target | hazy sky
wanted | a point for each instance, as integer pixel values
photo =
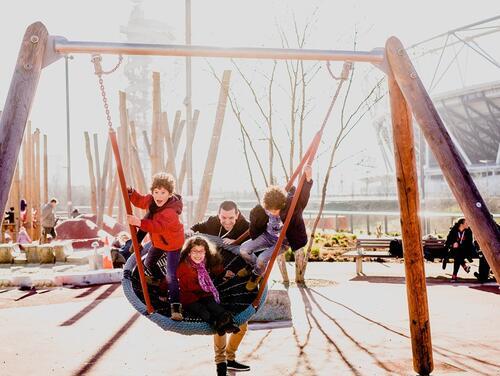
(232, 23)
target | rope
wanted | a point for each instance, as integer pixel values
(185, 327)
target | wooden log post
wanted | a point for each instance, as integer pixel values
(177, 131)
(182, 172)
(93, 198)
(36, 184)
(170, 165)
(18, 103)
(102, 192)
(97, 161)
(112, 194)
(407, 184)
(213, 149)
(29, 182)
(446, 154)
(45, 170)
(156, 140)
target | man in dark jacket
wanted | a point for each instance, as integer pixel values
(229, 224)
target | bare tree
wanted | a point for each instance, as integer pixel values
(346, 126)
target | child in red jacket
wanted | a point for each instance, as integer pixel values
(163, 224)
(198, 293)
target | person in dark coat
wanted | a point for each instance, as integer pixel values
(460, 243)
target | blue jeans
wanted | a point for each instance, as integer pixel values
(218, 242)
(150, 262)
(265, 242)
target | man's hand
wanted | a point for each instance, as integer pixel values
(227, 241)
(129, 190)
(133, 220)
(188, 233)
(308, 172)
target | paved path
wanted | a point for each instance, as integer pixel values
(342, 325)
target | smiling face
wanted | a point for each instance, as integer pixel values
(161, 195)
(228, 218)
(197, 254)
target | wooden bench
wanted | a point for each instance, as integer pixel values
(367, 247)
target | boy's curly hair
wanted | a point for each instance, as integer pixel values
(163, 180)
(212, 258)
(274, 198)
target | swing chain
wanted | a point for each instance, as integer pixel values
(96, 59)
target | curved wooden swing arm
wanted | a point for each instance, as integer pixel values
(128, 208)
(311, 153)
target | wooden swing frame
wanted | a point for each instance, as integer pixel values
(39, 49)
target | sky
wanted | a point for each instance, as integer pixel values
(333, 25)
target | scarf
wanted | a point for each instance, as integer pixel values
(204, 279)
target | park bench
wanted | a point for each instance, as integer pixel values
(379, 248)
(370, 247)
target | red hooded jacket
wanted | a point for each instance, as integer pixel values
(165, 228)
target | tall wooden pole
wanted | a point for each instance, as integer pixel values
(88, 150)
(182, 172)
(38, 230)
(29, 177)
(189, 123)
(18, 103)
(45, 171)
(407, 183)
(213, 148)
(97, 162)
(102, 192)
(156, 131)
(170, 165)
(446, 154)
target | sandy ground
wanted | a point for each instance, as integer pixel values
(342, 325)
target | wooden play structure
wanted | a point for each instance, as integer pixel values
(30, 183)
(407, 96)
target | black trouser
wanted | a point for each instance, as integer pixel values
(459, 259)
(207, 309)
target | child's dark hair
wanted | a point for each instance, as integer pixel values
(274, 198)
(212, 257)
(163, 180)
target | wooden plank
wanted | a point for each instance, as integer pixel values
(93, 197)
(454, 170)
(18, 103)
(29, 176)
(206, 182)
(407, 185)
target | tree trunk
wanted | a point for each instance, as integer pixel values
(88, 150)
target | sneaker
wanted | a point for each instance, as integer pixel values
(454, 278)
(176, 311)
(466, 268)
(253, 282)
(221, 369)
(244, 272)
(233, 365)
